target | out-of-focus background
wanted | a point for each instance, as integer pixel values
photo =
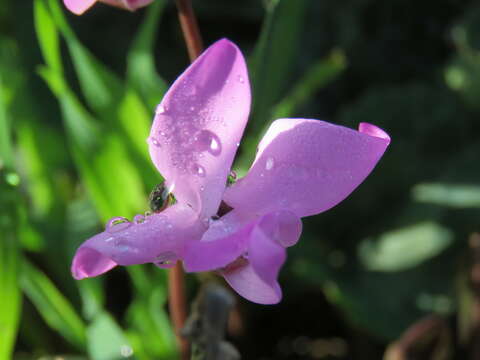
(388, 272)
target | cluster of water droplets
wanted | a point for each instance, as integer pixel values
(188, 136)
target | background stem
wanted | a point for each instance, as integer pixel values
(190, 29)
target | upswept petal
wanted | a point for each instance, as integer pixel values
(157, 238)
(307, 166)
(198, 125)
(256, 280)
(78, 7)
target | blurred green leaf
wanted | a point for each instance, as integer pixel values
(147, 313)
(6, 149)
(450, 195)
(100, 86)
(55, 309)
(80, 125)
(404, 248)
(274, 56)
(318, 76)
(47, 35)
(40, 180)
(106, 340)
(141, 72)
(10, 300)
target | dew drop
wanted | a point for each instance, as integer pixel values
(122, 246)
(160, 109)
(240, 79)
(116, 224)
(166, 259)
(214, 148)
(154, 141)
(202, 188)
(232, 177)
(269, 164)
(198, 170)
(139, 219)
(205, 140)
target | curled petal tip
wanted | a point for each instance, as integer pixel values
(373, 130)
(89, 263)
(246, 282)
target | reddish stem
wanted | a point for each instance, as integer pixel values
(190, 30)
(177, 301)
(177, 306)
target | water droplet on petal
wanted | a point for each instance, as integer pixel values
(198, 170)
(116, 224)
(166, 259)
(214, 148)
(270, 163)
(240, 79)
(139, 219)
(154, 141)
(123, 246)
(160, 109)
(202, 188)
(232, 177)
(205, 140)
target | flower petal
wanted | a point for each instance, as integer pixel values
(198, 125)
(257, 280)
(159, 238)
(224, 241)
(307, 166)
(246, 282)
(78, 6)
(248, 251)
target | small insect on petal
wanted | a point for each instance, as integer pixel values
(160, 198)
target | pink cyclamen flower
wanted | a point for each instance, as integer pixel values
(80, 6)
(302, 167)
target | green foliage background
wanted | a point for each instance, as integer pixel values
(77, 95)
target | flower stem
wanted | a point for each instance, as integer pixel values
(190, 30)
(177, 306)
(176, 287)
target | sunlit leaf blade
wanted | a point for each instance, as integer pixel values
(55, 309)
(141, 72)
(405, 248)
(35, 156)
(47, 35)
(106, 340)
(318, 76)
(6, 148)
(135, 132)
(274, 54)
(10, 295)
(100, 86)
